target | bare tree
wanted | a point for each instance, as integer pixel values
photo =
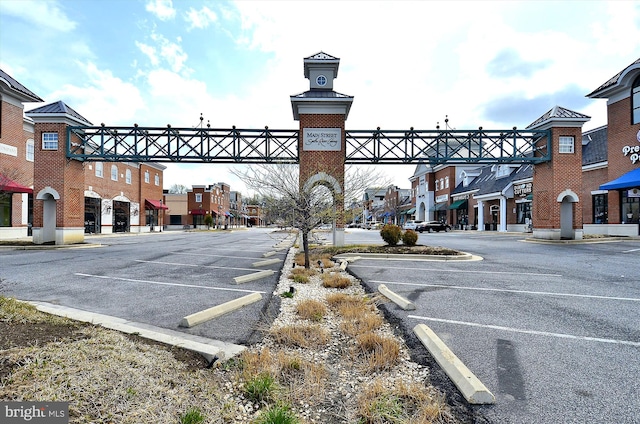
(178, 189)
(307, 207)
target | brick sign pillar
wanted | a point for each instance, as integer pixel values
(58, 185)
(322, 113)
(557, 184)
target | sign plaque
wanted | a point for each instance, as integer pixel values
(322, 139)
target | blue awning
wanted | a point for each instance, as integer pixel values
(628, 180)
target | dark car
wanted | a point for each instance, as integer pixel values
(431, 226)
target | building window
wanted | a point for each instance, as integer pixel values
(446, 182)
(437, 185)
(99, 169)
(157, 180)
(635, 101)
(630, 206)
(600, 208)
(128, 176)
(49, 141)
(146, 177)
(114, 173)
(198, 197)
(566, 145)
(30, 150)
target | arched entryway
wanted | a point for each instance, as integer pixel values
(334, 187)
(566, 199)
(47, 234)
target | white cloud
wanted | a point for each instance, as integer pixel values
(200, 18)
(42, 14)
(150, 52)
(172, 53)
(102, 96)
(163, 9)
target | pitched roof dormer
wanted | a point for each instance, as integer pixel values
(321, 69)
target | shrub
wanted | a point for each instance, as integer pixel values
(310, 309)
(208, 220)
(391, 234)
(410, 238)
(335, 281)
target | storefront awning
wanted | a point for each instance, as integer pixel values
(529, 197)
(10, 186)
(410, 211)
(628, 180)
(227, 213)
(198, 212)
(154, 204)
(439, 207)
(459, 204)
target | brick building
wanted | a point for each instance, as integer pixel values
(16, 159)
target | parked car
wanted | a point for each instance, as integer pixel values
(411, 225)
(430, 226)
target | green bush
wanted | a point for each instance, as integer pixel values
(410, 238)
(391, 234)
(208, 220)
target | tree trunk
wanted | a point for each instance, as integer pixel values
(305, 247)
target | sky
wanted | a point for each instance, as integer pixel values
(407, 63)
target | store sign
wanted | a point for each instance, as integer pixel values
(633, 152)
(634, 192)
(442, 198)
(322, 139)
(463, 197)
(8, 150)
(522, 190)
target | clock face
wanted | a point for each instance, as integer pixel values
(321, 80)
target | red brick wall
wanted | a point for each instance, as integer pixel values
(591, 180)
(330, 162)
(52, 169)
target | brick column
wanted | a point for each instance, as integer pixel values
(60, 181)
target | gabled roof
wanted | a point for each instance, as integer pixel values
(605, 89)
(321, 56)
(322, 59)
(558, 113)
(58, 109)
(594, 146)
(17, 89)
(487, 183)
(321, 94)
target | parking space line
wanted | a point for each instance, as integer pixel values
(458, 270)
(630, 251)
(194, 265)
(215, 256)
(532, 332)
(161, 283)
(588, 296)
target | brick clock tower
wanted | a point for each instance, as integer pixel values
(322, 113)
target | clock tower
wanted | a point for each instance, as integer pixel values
(322, 113)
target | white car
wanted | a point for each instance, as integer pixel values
(411, 225)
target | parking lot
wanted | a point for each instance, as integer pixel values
(154, 279)
(553, 330)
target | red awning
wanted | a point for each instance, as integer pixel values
(10, 186)
(154, 204)
(198, 212)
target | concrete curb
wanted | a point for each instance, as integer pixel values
(409, 257)
(210, 349)
(471, 388)
(216, 311)
(266, 263)
(402, 302)
(52, 247)
(268, 254)
(253, 276)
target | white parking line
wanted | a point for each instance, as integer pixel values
(458, 270)
(589, 296)
(160, 283)
(533, 332)
(214, 256)
(632, 250)
(195, 265)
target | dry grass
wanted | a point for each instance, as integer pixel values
(314, 257)
(302, 275)
(349, 306)
(312, 310)
(334, 280)
(403, 403)
(367, 321)
(379, 352)
(305, 336)
(13, 311)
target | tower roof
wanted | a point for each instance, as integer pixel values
(559, 113)
(16, 89)
(58, 110)
(321, 59)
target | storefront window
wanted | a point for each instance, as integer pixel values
(630, 206)
(600, 208)
(523, 212)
